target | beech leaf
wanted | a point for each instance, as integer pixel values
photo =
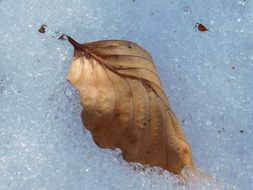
(124, 105)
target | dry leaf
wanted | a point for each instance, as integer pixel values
(124, 105)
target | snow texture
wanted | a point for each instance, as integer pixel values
(207, 76)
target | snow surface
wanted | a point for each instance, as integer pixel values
(207, 76)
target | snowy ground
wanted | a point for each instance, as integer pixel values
(207, 76)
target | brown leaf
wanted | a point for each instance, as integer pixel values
(124, 105)
(201, 27)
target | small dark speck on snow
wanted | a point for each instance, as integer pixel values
(201, 27)
(222, 130)
(42, 29)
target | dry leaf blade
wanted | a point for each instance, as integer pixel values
(124, 105)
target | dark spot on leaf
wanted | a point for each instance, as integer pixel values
(201, 27)
(129, 46)
(185, 150)
(117, 114)
(42, 29)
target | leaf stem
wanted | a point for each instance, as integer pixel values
(74, 43)
(79, 47)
